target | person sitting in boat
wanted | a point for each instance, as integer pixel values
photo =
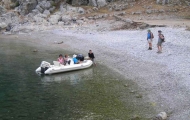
(60, 59)
(75, 60)
(66, 60)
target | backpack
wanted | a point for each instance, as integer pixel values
(163, 40)
(152, 36)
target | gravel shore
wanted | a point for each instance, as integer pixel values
(163, 78)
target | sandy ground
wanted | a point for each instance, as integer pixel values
(164, 78)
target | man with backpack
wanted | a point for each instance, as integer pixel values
(150, 37)
(161, 39)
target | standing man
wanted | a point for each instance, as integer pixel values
(160, 41)
(91, 56)
(150, 36)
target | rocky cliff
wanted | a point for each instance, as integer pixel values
(67, 12)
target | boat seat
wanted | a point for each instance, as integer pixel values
(56, 63)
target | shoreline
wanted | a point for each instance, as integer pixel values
(164, 78)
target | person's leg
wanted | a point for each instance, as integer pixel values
(159, 49)
(69, 62)
(149, 44)
(93, 62)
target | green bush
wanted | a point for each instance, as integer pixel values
(17, 4)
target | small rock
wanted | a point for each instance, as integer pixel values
(139, 96)
(135, 117)
(148, 11)
(35, 50)
(132, 91)
(126, 85)
(60, 42)
(161, 116)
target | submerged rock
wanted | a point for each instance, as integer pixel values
(161, 116)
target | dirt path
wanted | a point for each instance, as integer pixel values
(170, 23)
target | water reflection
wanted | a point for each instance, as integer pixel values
(74, 77)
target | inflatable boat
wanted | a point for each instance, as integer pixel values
(47, 68)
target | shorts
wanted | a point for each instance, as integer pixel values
(159, 44)
(93, 61)
(149, 41)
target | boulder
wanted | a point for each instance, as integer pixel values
(26, 6)
(9, 17)
(93, 3)
(6, 3)
(101, 3)
(95, 9)
(81, 10)
(79, 2)
(117, 7)
(79, 22)
(54, 19)
(39, 9)
(143, 26)
(129, 21)
(2, 10)
(46, 12)
(35, 12)
(9, 27)
(3, 25)
(66, 19)
(56, 1)
(148, 11)
(70, 8)
(60, 23)
(38, 19)
(41, 15)
(63, 8)
(52, 9)
(161, 10)
(45, 4)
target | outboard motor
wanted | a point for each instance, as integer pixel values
(80, 57)
(44, 66)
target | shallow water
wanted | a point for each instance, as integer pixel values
(95, 93)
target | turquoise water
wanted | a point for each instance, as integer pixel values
(95, 93)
